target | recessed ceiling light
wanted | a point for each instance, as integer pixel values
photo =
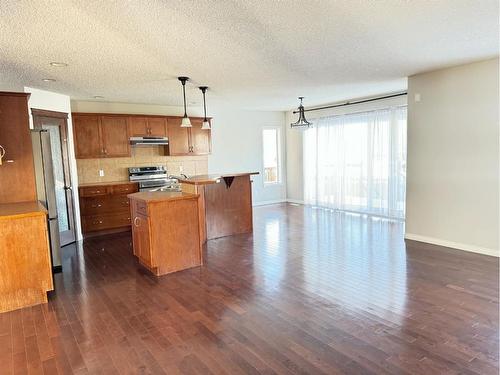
(98, 97)
(58, 64)
(48, 80)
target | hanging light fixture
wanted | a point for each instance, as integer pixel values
(186, 122)
(206, 123)
(301, 122)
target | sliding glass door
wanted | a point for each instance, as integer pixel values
(357, 162)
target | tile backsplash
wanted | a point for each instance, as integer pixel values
(116, 169)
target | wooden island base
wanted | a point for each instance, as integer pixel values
(165, 231)
(225, 203)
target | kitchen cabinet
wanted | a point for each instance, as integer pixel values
(114, 136)
(17, 174)
(142, 126)
(188, 141)
(25, 267)
(141, 240)
(100, 136)
(200, 139)
(178, 138)
(105, 208)
(87, 137)
(165, 231)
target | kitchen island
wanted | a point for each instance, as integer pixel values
(165, 230)
(225, 206)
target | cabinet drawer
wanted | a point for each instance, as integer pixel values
(101, 222)
(125, 189)
(91, 191)
(104, 204)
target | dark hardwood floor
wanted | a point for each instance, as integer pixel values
(311, 291)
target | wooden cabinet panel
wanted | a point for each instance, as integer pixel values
(105, 221)
(25, 268)
(138, 126)
(168, 239)
(200, 139)
(105, 207)
(114, 135)
(17, 175)
(157, 126)
(87, 137)
(178, 138)
(105, 204)
(141, 239)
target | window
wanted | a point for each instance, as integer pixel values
(271, 150)
(357, 162)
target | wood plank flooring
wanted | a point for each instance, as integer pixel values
(310, 292)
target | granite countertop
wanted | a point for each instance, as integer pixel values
(206, 179)
(161, 196)
(22, 209)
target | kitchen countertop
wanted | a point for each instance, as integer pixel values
(21, 209)
(89, 184)
(161, 196)
(206, 179)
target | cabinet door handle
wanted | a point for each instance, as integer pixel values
(97, 222)
(96, 205)
(136, 221)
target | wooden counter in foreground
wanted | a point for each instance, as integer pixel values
(165, 230)
(25, 266)
(225, 203)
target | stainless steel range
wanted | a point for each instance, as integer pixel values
(153, 179)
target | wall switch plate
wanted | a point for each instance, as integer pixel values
(417, 97)
(101, 172)
(181, 168)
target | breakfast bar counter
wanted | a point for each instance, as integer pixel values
(225, 203)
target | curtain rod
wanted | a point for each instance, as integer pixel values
(355, 102)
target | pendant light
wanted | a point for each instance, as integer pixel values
(301, 122)
(186, 122)
(206, 123)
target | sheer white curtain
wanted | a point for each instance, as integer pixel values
(357, 162)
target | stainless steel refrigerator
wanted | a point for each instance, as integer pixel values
(45, 186)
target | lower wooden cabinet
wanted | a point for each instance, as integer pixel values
(25, 267)
(165, 231)
(106, 207)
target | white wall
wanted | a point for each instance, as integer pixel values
(453, 158)
(294, 140)
(236, 139)
(237, 147)
(51, 101)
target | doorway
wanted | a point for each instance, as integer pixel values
(56, 123)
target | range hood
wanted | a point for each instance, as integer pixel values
(149, 141)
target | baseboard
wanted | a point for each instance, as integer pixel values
(296, 201)
(265, 203)
(453, 245)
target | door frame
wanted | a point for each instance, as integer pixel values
(38, 115)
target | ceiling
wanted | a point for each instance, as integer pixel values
(253, 54)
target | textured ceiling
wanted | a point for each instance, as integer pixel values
(254, 54)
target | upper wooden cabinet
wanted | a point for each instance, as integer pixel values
(114, 136)
(200, 139)
(86, 132)
(17, 174)
(100, 136)
(107, 135)
(188, 141)
(140, 126)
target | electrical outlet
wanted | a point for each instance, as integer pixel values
(101, 172)
(181, 169)
(418, 97)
